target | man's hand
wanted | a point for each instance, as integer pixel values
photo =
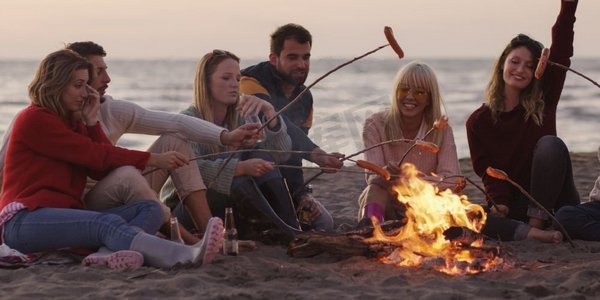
(327, 160)
(245, 135)
(170, 160)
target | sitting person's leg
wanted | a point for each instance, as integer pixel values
(581, 221)
(274, 188)
(372, 202)
(320, 218)
(121, 186)
(244, 189)
(187, 181)
(47, 229)
(147, 215)
(551, 179)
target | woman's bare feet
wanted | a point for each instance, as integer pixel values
(546, 236)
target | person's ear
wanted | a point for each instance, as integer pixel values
(273, 58)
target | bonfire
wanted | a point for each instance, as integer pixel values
(440, 231)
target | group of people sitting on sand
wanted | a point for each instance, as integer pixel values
(66, 185)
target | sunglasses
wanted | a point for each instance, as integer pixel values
(418, 93)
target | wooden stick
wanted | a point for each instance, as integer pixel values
(357, 153)
(487, 196)
(316, 81)
(499, 174)
(298, 98)
(569, 69)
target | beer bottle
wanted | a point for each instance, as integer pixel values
(230, 244)
(175, 233)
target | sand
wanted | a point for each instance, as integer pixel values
(539, 271)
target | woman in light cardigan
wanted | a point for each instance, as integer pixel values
(250, 179)
(416, 103)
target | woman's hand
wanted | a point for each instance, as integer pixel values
(245, 135)
(252, 105)
(91, 107)
(169, 160)
(254, 167)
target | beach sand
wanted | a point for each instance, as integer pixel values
(539, 270)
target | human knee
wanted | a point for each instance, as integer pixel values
(171, 142)
(155, 211)
(570, 216)
(128, 176)
(550, 147)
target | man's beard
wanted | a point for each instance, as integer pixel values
(293, 81)
(290, 79)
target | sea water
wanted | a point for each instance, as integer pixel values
(342, 100)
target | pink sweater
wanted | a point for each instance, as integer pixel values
(443, 163)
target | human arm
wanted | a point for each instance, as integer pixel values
(277, 137)
(561, 52)
(500, 191)
(127, 117)
(45, 133)
(372, 134)
(299, 137)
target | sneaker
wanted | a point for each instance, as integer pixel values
(119, 260)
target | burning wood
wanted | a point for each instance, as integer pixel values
(440, 231)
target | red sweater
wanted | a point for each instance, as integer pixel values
(509, 144)
(48, 160)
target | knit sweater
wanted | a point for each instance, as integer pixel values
(48, 160)
(119, 117)
(276, 140)
(443, 163)
(508, 144)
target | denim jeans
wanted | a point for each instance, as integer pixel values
(46, 229)
(581, 221)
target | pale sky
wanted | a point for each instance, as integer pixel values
(173, 29)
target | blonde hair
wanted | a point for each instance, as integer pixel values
(53, 75)
(415, 74)
(203, 100)
(531, 97)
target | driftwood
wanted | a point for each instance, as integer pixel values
(343, 245)
(352, 243)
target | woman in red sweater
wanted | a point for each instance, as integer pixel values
(515, 129)
(55, 144)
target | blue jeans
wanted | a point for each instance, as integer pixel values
(582, 221)
(47, 229)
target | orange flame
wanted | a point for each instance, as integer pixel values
(429, 213)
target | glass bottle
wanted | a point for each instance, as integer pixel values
(175, 233)
(230, 243)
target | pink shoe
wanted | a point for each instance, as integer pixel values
(212, 242)
(124, 259)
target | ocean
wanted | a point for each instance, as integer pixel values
(342, 100)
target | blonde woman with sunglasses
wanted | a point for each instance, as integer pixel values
(416, 103)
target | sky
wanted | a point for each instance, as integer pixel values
(186, 29)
